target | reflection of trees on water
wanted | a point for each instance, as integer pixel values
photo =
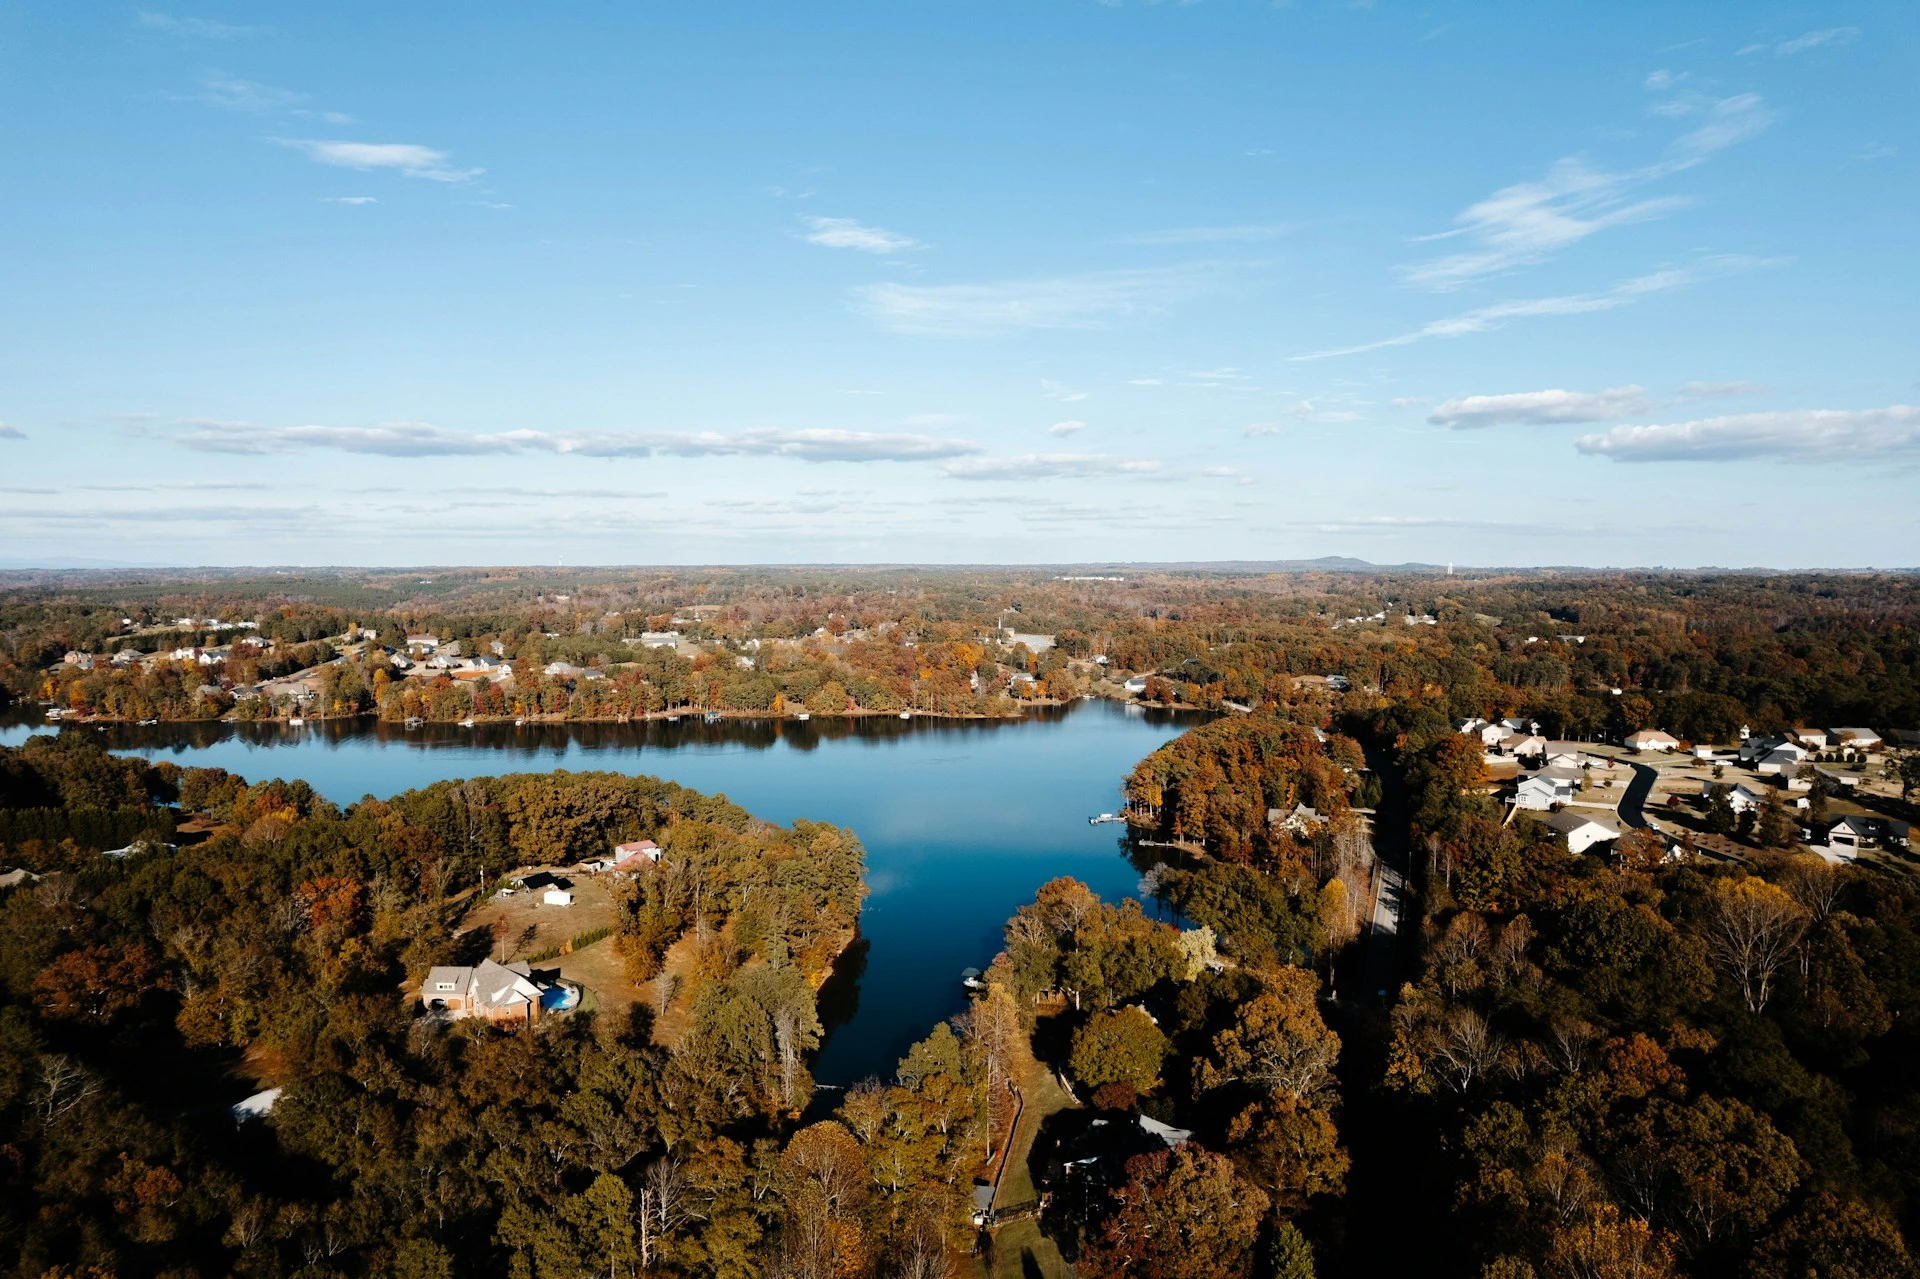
(839, 997)
(179, 737)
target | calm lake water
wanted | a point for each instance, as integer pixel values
(961, 819)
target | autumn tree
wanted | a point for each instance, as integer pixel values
(1123, 1046)
(1183, 1214)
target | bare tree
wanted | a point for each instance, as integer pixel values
(1466, 1049)
(1751, 928)
(65, 1085)
(662, 1207)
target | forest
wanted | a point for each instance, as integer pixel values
(1628, 1063)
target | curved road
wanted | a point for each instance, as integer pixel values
(1632, 802)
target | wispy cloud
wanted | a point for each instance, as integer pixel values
(348, 199)
(1802, 43)
(406, 158)
(1089, 301)
(1718, 390)
(1060, 391)
(1248, 234)
(192, 28)
(1066, 428)
(846, 233)
(10, 433)
(1539, 408)
(1049, 466)
(1485, 319)
(230, 93)
(1526, 223)
(421, 439)
(1802, 435)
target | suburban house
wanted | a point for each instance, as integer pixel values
(1740, 796)
(1859, 739)
(1853, 835)
(422, 644)
(1814, 739)
(505, 994)
(1783, 760)
(1524, 744)
(1581, 832)
(1546, 789)
(1301, 821)
(1569, 755)
(1651, 739)
(1138, 684)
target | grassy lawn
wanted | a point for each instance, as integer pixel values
(1020, 1250)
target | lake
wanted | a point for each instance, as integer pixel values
(961, 819)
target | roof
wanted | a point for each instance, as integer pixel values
(1566, 821)
(1651, 735)
(1856, 732)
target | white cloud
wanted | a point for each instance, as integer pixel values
(1663, 79)
(193, 28)
(11, 433)
(1487, 318)
(1815, 39)
(1248, 234)
(1146, 381)
(1802, 435)
(348, 199)
(1090, 301)
(845, 233)
(406, 158)
(1539, 408)
(1060, 391)
(420, 439)
(1067, 427)
(1257, 429)
(1047, 466)
(1528, 222)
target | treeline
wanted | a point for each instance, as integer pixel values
(140, 998)
(1697, 654)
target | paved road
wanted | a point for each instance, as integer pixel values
(1383, 932)
(1632, 803)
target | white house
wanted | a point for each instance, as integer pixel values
(1138, 684)
(1651, 739)
(557, 897)
(1546, 788)
(1525, 744)
(1581, 832)
(1784, 759)
(1814, 739)
(1569, 755)
(1739, 796)
(644, 849)
(1859, 739)
(1470, 727)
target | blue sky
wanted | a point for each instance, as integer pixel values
(1048, 281)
